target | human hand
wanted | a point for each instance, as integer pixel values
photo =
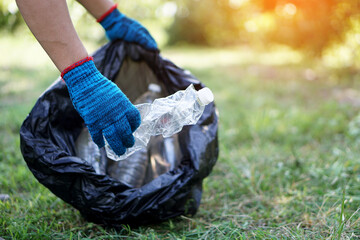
(103, 106)
(118, 26)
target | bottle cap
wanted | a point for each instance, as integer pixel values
(205, 96)
(153, 87)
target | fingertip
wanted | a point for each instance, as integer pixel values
(134, 119)
(114, 140)
(97, 137)
(128, 141)
(124, 133)
(119, 150)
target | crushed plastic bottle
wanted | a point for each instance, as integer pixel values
(166, 116)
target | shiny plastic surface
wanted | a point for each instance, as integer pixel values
(87, 150)
(165, 116)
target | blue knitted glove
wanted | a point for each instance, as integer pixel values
(103, 106)
(118, 26)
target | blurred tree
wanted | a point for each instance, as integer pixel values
(142, 10)
(10, 17)
(310, 25)
(209, 22)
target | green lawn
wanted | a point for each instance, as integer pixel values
(289, 165)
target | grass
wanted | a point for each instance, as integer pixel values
(289, 151)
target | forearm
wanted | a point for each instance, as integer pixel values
(51, 25)
(96, 7)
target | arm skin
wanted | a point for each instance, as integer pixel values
(96, 7)
(50, 22)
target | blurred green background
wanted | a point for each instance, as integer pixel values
(286, 80)
(323, 28)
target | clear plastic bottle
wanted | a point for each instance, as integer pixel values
(164, 155)
(87, 150)
(166, 116)
(132, 170)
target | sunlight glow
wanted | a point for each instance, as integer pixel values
(168, 9)
(237, 3)
(357, 38)
(290, 9)
(250, 26)
(287, 10)
(12, 8)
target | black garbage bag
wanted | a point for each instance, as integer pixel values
(49, 132)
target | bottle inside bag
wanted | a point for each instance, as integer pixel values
(132, 170)
(164, 154)
(157, 149)
(166, 117)
(88, 151)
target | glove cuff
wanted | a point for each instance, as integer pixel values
(74, 65)
(107, 13)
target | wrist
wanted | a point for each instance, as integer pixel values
(82, 74)
(75, 65)
(107, 13)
